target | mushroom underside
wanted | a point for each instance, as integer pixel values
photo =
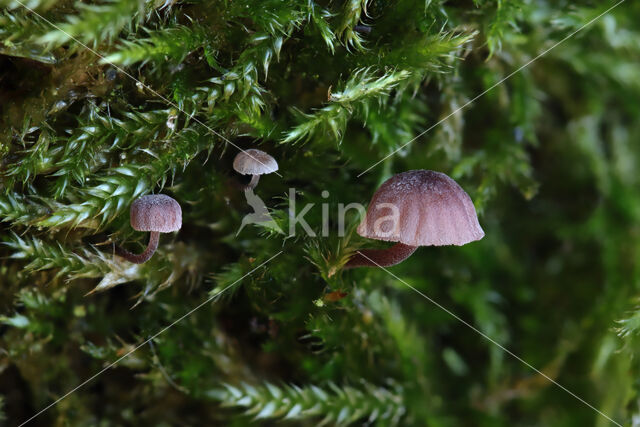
(381, 257)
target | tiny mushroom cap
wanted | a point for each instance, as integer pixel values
(254, 162)
(421, 208)
(156, 212)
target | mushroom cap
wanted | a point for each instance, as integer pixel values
(432, 209)
(156, 212)
(254, 162)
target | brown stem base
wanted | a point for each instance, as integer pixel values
(154, 238)
(381, 257)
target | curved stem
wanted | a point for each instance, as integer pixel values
(154, 237)
(381, 257)
(253, 183)
(364, 29)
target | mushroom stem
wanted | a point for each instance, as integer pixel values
(364, 29)
(381, 257)
(154, 237)
(254, 182)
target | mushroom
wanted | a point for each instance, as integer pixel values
(254, 162)
(156, 213)
(416, 208)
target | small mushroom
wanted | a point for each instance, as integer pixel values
(254, 162)
(416, 208)
(156, 213)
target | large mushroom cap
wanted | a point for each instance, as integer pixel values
(254, 162)
(432, 209)
(156, 212)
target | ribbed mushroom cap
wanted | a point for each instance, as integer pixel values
(156, 212)
(432, 210)
(254, 162)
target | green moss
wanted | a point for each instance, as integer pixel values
(549, 157)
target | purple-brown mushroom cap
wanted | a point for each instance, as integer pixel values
(156, 212)
(254, 162)
(432, 210)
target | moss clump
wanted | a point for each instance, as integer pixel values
(549, 157)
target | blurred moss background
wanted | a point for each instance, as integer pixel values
(328, 88)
